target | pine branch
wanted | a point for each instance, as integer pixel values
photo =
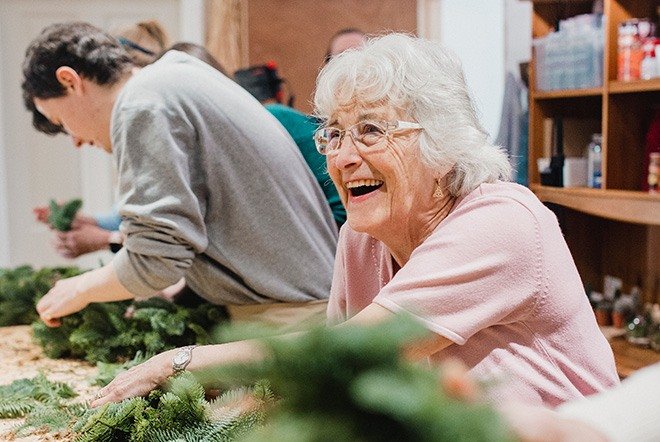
(181, 413)
(61, 216)
(114, 332)
(350, 383)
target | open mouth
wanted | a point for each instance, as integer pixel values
(363, 187)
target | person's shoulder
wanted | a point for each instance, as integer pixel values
(504, 194)
(500, 212)
(283, 112)
(298, 124)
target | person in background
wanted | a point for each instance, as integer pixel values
(436, 231)
(264, 83)
(144, 41)
(210, 188)
(344, 39)
(197, 51)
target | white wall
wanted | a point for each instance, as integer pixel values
(518, 34)
(474, 29)
(489, 36)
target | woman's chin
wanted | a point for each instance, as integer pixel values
(369, 223)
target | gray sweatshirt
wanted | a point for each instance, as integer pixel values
(213, 189)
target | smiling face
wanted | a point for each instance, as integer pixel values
(387, 190)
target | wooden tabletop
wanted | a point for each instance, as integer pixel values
(630, 358)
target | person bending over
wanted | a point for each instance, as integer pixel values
(210, 189)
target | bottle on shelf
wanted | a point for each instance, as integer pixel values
(647, 70)
(594, 161)
(654, 172)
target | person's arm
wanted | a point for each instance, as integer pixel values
(162, 216)
(83, 238)
(141, 379)
(73, 294)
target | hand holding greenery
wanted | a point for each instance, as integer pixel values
(61, 216)
(20, 288)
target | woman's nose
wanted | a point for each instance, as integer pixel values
(347, 154)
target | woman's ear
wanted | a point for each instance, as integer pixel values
(69, 78)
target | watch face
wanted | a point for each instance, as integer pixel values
(180, 358)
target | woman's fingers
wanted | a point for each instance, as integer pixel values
(137, 381)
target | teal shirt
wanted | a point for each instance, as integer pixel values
(301, 127)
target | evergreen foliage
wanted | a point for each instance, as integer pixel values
(117, 331)
(25, 396)
(351, 384)
(20, 288)
(61, 216)
(45, 404)
(180, 414)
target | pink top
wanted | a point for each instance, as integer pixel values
(496, 278)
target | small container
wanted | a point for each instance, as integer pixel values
(647, 70)
(618, 319)
(575, 172)
(654, 172)
(604, 313)
(594, 161)
(631, 36)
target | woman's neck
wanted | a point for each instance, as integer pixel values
(402, 243)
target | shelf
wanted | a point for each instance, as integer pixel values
(626, 87)
(620, 205)
(567, 93)
(561, 1)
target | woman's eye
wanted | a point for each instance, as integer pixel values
(332, 134)
(370, 129)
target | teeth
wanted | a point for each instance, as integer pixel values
(360, 183)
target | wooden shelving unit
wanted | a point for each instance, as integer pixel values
(627, 87)
(619, 205)
(554, 95)
(614, 230)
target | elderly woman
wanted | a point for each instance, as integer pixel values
(434, 232)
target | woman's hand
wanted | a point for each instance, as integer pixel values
(137, 381)
(66, 297)
(528, 423)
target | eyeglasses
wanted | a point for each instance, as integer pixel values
(367, 133)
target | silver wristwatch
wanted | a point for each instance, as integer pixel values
(182, 358)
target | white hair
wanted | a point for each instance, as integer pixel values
(425, 82)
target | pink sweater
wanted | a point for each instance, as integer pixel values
(496, 278)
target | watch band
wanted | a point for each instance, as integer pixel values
(115, 241)
(182, 358)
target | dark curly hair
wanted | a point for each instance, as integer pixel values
(92, 53)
